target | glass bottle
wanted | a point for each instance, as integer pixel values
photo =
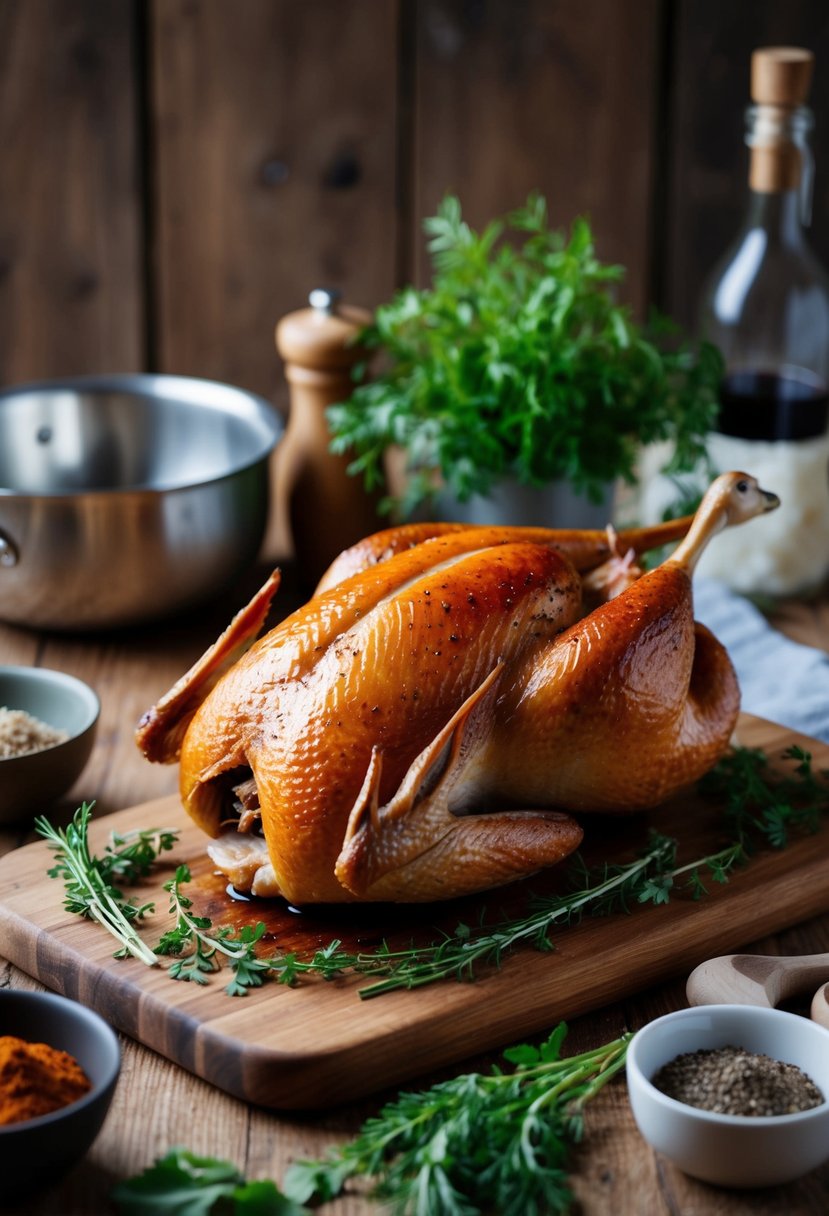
(767, 309)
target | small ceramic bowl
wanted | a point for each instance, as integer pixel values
(30, 783)
(35, 1153)
(731, 1150)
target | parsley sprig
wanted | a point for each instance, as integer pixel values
(518, 361)
(761, 806)
(93, 884)
(481, 1142)
(184, 1184)
(493, 1142)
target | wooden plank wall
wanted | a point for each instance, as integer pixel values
(178, 174)
(706, 163)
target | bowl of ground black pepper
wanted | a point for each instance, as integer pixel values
(733, 1094)
(59, 1064)
(48, 721)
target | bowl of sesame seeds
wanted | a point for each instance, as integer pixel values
(734, 1095)
(48, 721)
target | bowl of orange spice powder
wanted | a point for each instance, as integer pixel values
(59, 1065)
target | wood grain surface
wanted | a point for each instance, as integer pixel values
(177, 175)
(511, 98)
(320, 1043)
(275, 127)
(71, 225)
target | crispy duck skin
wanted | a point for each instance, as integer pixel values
(585, 548)
(298, 643)
(634, 701)
(420, 729)
(388, 681)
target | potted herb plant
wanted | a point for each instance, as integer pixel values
(519, 366)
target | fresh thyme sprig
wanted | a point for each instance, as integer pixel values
(90, 881)
(598, 892)
(495, 1142)
(460, 955)
(760, 806)
(198, 944)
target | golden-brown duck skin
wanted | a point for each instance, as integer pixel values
(389, 683)
(418, 730)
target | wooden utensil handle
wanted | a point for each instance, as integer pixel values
(755, 979)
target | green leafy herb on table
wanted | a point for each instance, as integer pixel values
(496, 1142)
(93, 884)
(759, 805)
(481, 1142)
(518, 362)
(182, 1184)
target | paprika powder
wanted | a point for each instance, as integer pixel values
(36, 1079)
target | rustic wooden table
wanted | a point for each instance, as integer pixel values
(157, 1104)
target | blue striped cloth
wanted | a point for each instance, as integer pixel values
(780, 680)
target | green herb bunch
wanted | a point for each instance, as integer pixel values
(480, 1142)
(519, 362)
(93, 883)
(499, 1141)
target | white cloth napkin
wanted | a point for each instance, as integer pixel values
(780, 680)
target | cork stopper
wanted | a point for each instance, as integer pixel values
(781, 75)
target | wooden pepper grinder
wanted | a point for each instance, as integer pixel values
(328, 509)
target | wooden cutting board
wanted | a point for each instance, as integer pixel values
(320, 1043)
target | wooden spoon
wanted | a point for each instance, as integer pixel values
(754, 979)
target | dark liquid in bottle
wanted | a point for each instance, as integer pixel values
(768, 405)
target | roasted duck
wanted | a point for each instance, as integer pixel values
(425, 725)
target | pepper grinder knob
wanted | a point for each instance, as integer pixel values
(325, 300)
(327, 508)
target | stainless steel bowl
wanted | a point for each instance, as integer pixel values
(126, 498)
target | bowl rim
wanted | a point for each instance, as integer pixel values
(66, 1007)
(51, 676)
(716, 1118)
(213, 395)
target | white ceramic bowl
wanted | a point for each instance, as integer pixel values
(731, 1150)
